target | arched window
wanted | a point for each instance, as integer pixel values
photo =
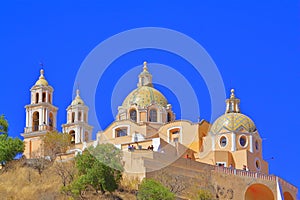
(49, 98)
(72, 134)
(132, 114)
(153, 115)
(35, 121)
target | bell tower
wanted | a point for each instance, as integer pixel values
(77, 121)
(40, 117)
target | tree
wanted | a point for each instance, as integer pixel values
(153, 190)
(3, 125)
(9, 147)
(55, 142)
(99, 168)
(66, 171)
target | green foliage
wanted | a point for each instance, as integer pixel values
(153, 190)
(95, 170)
(9, 147)
(202, 195)
(55, 142)
(3, 125)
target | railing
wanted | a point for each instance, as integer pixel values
(39, 128)
(286, 184)
(239, 172)
(257, 175)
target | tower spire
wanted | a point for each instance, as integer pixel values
(145, 78)
(233, 103)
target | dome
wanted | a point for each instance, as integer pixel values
(77, 100)
(144, 96)
(42, 80)
(233, 122)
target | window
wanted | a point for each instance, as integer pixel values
(256, 145)
(120, 132)
(132, 114)
(243, 141)
(153, 115)
(174, 134)
(49, 98)
(223, 141)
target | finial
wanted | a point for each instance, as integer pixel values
(42, 74)
(232, 96)
(145, 66)
(77, 92)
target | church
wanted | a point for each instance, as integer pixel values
(225, 155)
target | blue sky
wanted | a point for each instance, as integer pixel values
(254, 45)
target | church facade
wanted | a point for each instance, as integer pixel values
(229, 150)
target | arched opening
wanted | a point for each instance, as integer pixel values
(153, 115)
(79, 116)
(259, 192)
(51, 121)
(85, 117)
(49, 98)
(36, 97)
(86, 136)
(72, 134)
(73, 117)
(35, 121)
(44, 97)
(169, 117)
(132, 114)
(287, 196)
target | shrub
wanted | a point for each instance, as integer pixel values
(153, 190)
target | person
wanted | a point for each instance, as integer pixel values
(129, 147)
(230, 166)
(151, 148)
(245, 167)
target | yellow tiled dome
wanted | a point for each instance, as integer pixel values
(230, 122)
(144, 96)
(42, 80)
